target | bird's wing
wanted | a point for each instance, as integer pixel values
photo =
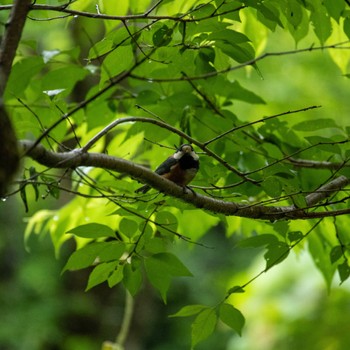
(165, 167)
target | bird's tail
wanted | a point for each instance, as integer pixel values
(143, 189)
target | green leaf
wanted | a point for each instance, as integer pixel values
(228, 35)
(334, 8)
(85, 256)
(295, 236)
(346, 28)
(258, 241)
(189, 310)
(162, 36)
(171, 264)
(324, 144)
(203, 326)
(132, 276)
(272, 186)
(161, 267)
(276, 253)
(158, 276)
(22, 75)
(101, 273)
(315, 124)
(128, 227)
(336, 253)
(321, 21)
(239, 52)
(232, 317)
(343, 271)
(116, 276)
(63, 78)
(236, 289)
(116, 62)
(92, 230)
(113, 251)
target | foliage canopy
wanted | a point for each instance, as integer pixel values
(112, 87)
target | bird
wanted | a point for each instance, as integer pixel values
(181, 167)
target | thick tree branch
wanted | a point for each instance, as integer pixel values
(9, 157)
(78, 158)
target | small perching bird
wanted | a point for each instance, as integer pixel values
(180, 168)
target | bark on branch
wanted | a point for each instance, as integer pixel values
(78, 157)
(9, 157)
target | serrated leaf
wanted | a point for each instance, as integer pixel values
(92, 230)
(189, 310)
(101, 273)
(232, 317)
(203, 326)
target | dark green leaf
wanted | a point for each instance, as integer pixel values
(343, 271)
(162, 36)
(132, 276)
(276, 253)
(295, 236)
(258, 241)
(336, 253)
(232, 317)
(23, 194)
(236, 289)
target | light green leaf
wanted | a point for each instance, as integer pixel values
(101, 273)
(189, 310)
(172, 264)
(203, 326)
(321, 21)
(116, 62)
(116, 276)
(85, 256)
(161, 267)
(315, 124)
(92, 230)
(232, 317)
